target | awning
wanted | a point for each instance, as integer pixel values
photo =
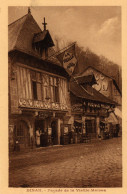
(112, 118)
(118, 112)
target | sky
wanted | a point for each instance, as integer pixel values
(96, 27)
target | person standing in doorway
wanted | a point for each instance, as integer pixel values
(38, 137)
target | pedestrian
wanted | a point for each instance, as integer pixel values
(38, 137)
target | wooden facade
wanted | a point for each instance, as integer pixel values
(37, 98)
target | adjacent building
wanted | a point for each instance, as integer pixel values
(106, 85)
(89, 107)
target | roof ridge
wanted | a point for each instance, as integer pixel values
(111, 101)
(18, 19)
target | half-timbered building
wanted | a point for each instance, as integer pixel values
(89, 107)
(106, 86)
(38, 88)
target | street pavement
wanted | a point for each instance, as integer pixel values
(94, 164)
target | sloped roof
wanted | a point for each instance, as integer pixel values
(14, 31)
(40, 36)
(43, 37)
(114, 81)
(88, 94)
(51, 56)
(86, 79)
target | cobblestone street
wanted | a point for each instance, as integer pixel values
(93, 164)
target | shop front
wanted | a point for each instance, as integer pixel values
(49, 125)
(65, 134)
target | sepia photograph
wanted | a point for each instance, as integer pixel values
(64, 97)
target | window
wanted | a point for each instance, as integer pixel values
(46, 87)
(56, 94)
(36, 85)
(54, 88)
(39, 91)
(34, 90)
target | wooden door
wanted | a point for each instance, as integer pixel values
(22, 134)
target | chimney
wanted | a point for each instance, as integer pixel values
(29, 11)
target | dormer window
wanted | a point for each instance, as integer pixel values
(42, 41)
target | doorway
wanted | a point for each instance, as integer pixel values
(40, 124)
(54, 135)
(21, 134)
(91, 127)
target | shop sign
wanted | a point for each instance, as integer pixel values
(27, 103)
(90, 104)
(77, 107)
(95, 105)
